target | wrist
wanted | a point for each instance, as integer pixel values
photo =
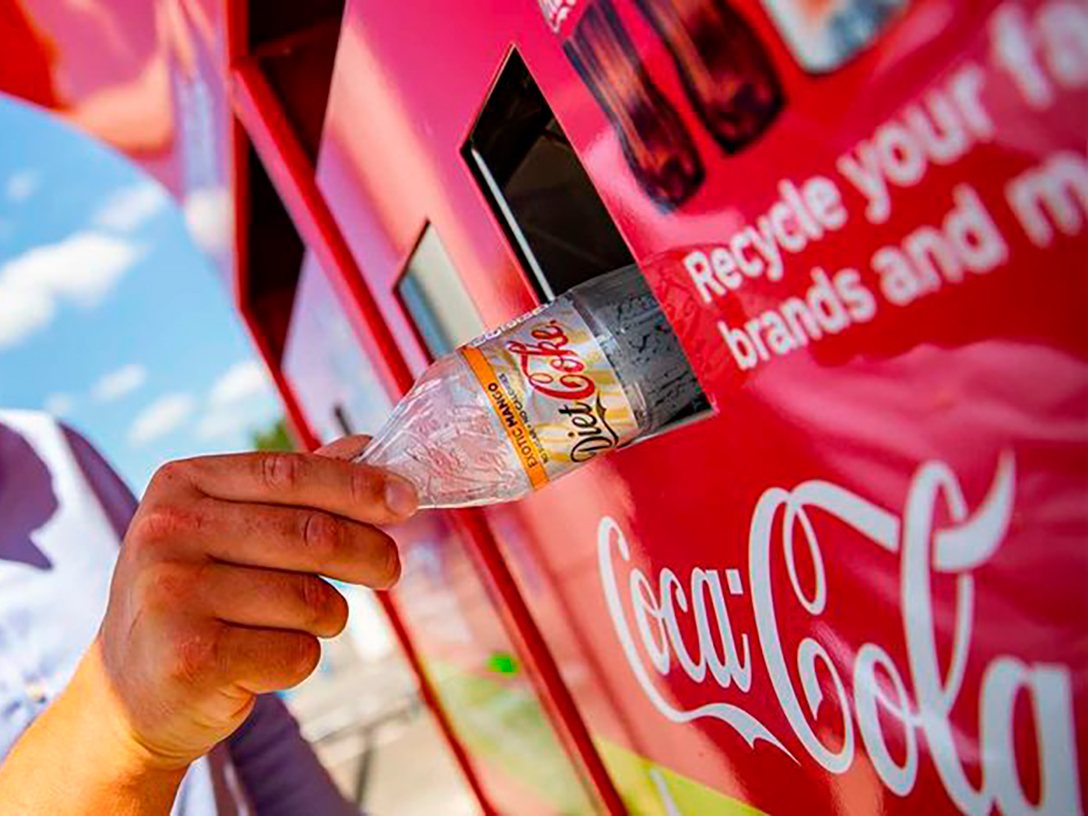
(97, 712)
(80, 757)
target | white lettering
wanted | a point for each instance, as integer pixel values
(885, 706)
(1058, 189)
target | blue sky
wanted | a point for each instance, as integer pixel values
(109, 314)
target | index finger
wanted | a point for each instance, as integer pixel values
(360, 492)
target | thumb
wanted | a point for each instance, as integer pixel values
(346, 448)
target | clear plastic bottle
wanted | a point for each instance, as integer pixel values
(524, 404)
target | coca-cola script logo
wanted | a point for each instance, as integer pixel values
(553, 367)
(550, 366)
(916, 702)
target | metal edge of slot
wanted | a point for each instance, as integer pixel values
(511, 221)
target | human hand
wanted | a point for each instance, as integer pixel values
(216, 596)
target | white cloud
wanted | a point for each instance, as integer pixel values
(221, 423)
(59, 405)
(22, 185)
(209, 216)
(131, 207)
(230, 398)
(118, 383)
(164, 415)
(22, 313)
(81, 269)
(238, 383)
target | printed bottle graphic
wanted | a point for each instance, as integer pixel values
(658, 148)
(824, 35)
(726, 73)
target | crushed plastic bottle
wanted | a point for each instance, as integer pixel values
(522, 405)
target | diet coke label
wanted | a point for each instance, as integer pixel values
(557, 397)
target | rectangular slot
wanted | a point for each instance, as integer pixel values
(432, 293)
(539, 190)
(543, 197)
(294, 45)
(274, 253)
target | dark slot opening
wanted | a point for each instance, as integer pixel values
(274, 252)
(538, 189)
(295, 45)
(271, 20)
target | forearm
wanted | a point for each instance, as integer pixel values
(78, 759)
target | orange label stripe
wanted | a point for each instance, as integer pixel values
(502, 403)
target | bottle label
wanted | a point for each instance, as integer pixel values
(554, 391)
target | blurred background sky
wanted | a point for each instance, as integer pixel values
(110, 317)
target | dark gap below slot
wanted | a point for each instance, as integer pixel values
(271, 20)
(274, 257)
(299, 68)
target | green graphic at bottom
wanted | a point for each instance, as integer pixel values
(503, 724)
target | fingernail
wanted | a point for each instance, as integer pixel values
(400, 496)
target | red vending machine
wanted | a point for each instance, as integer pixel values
(855, 580)
(853, 577)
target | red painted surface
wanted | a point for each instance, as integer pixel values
(889, 504)
(969, 400)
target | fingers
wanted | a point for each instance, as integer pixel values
(273, 599)
(280, 538)
(264, 660)
(215, 596)
(202, 658)
(357, 492)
